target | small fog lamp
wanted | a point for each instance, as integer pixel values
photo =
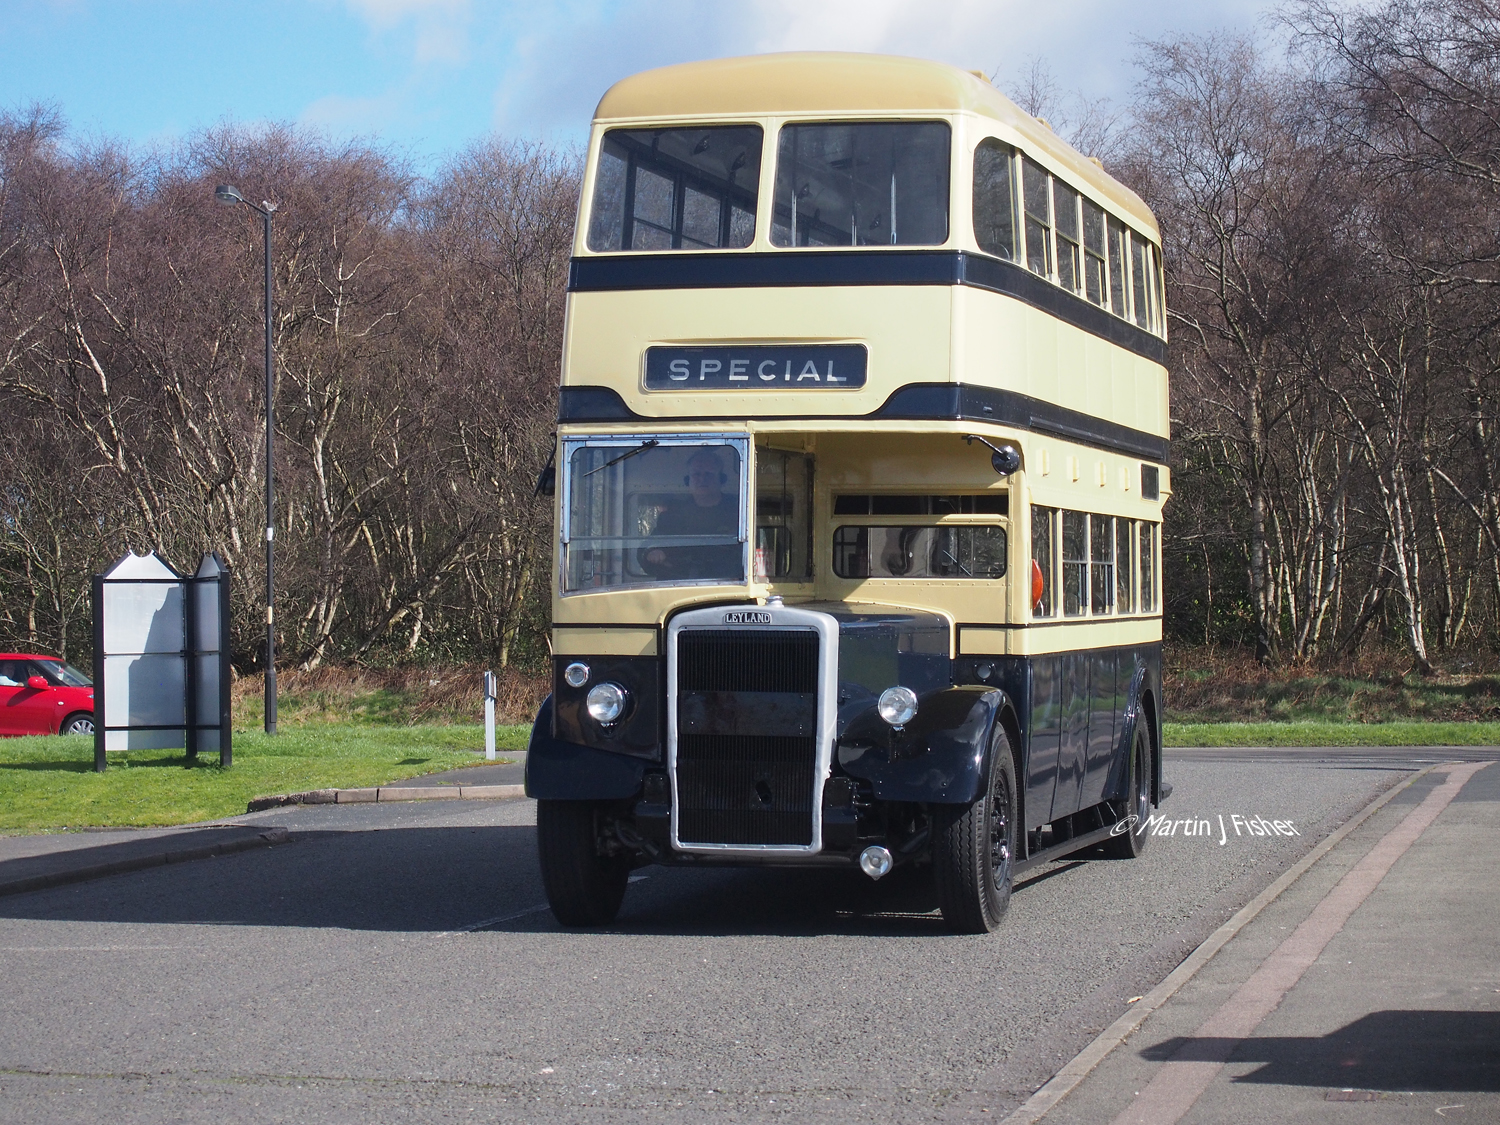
(897, 706)
(875, 861)
(606, 702)
(576, 674)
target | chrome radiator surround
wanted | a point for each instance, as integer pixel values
(760, 619)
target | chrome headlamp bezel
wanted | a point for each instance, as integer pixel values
(897, 706)
(606, 703)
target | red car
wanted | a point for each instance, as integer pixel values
(44, 695)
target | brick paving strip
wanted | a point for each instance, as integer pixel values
(1066, 1080)
(1183, 1078)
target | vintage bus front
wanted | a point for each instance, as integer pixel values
(860, 464)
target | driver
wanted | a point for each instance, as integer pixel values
(706, 510)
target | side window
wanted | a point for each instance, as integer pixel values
(1034, 190)
(1148, 568)
(1124, 571)
(1065, 210)
(1101, 564)
(783, 514)
(1075, 563)
(1140, 277)
(1158, 292)
(1117, 243)
(994, 200)
(1095, 279)
(1043, 554)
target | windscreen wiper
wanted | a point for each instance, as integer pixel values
(649, 443)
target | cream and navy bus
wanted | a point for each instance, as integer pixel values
(860, 464)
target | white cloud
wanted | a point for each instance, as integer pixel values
(883, 26)
(562, 57)
(440, 28)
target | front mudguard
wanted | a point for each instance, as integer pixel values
(565, 771)
(941, 757)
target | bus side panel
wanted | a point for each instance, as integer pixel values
(1073, 752)
(1104, 720)
(1139, 675)
(1044, 734)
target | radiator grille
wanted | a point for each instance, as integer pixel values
(747, 660)
(746, 788)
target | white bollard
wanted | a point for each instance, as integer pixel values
(489, 716)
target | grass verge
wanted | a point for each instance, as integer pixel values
(50, 783)
(1331, 734)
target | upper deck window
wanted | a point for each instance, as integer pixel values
(676, 189)
(1037, 206)
(862, 184)
(994, 200)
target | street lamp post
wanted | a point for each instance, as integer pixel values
(229, 196)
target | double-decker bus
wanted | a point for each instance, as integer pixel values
(860, 465)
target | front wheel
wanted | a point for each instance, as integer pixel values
(584, 884)
(1130, 842)
(77, 724)
(974, 847)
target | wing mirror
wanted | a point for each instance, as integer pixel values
(38, 683)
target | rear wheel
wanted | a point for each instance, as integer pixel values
(974, 847)
(1132, 838)
(77, 724)
(584, 885)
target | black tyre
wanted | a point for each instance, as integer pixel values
(1132, 838)
(584, 885)
(974, 847)
(82, 723)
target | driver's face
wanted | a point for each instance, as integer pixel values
(703, 479)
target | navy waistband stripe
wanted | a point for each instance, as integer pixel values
(860, 267)
(917, 401)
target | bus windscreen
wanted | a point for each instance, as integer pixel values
(653, 512)
(676, 189)
(862, 184)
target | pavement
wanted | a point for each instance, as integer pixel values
(499, 781)
(1369, 990)
(512, 772)
(29, 863)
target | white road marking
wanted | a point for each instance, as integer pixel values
(484, 923)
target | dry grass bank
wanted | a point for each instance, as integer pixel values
(402, 696)
(1217, 685)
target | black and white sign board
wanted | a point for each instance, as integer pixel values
(161, 658)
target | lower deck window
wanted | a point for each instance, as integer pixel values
(1148, 567)
(1075, 562)
(1107, 565)
(919, 552)
(1101, 564)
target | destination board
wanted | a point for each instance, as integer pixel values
(780, 367)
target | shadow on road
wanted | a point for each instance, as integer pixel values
(1450, 1052)
(426, 879)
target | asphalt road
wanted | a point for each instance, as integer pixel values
(397, 963)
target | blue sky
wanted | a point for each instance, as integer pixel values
(429, 76)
